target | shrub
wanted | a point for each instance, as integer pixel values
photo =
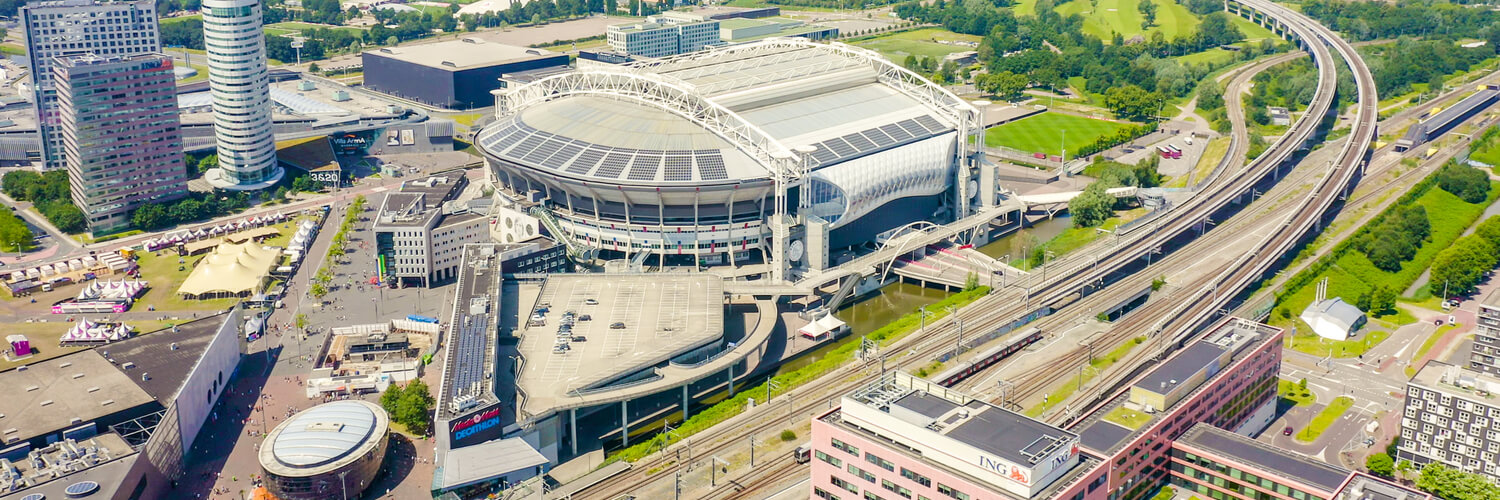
(788, 435)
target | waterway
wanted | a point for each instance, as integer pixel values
(1017, 243)
(873, 312)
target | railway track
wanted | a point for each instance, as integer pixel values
(1091, 268)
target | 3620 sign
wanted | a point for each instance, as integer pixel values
(325, 176)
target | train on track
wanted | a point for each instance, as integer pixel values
(989, 357)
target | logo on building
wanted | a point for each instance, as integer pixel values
(479, 422)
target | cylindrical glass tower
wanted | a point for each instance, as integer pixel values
(237, 77)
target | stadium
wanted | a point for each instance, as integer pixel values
(684, 157)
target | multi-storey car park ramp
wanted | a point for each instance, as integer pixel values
(1090, 269)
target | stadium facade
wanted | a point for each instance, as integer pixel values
(691, 156)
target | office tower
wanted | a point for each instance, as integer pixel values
(238, 79)
(1485, 355)
(663, 35)
(120, 134)
(70, 27)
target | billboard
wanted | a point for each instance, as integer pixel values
(476, 427)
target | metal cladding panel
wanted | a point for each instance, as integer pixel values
(420, 83)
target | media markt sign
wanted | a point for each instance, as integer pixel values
(476, 428)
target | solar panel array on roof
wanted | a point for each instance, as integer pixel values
(583, 158)
(875, 139)
(644, 166)
(710, 165)
(614, 163)
(587, 160)
(679, 166)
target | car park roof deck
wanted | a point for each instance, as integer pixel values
(664, 316)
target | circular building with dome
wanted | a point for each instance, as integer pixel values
(308, 455)
(680, 156)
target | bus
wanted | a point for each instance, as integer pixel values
(1164, 152)
(1175, 151)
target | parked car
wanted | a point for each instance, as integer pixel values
(585, 318)
(617, 326)
(590, 302)
(580, 338)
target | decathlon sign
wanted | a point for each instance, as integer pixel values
(477, 427)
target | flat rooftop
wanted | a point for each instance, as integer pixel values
(58, 471)
(1366, 487)
(661, 316)
(110, 476)
(1260, 456)
(1491, 299)
(471, 350)
(1232, 334)
(1179, 368)
(464, 53)
(167, 355)
(1003, 433)
(45, 397)
(1457, 381)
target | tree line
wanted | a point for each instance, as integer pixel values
(1048, 49)
(49, 193)
(1376, 20)
(195, 207)
(1095, 205)
(409, 405)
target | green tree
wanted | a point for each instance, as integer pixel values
(1148, 13)
(1092, 207)
(208, 162)
(1466, 182)
(1383, 300)
(413, 407)
(1210, 96)
(318, 290)
(1132, 102)
(15, 235)
(1462, 265)
(1453, 484)
(1381, 465)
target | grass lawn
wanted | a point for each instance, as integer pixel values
(1427, 345)
(1325, 418)
(1099, 364)
(1107, 17)
(921, 43)
(1215, 151)
(1131, 419)
(202, 75)
(1074, 238)
(44, 337)
(179, 19)
(298, 27)
(1253, 32)
(1309, 342)
(1210, 57)
(1290, 391)
(1165, 493)
(12, 49)
(466, 120)
(162, 271)
(1049, 132)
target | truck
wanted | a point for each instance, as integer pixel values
(422, 319)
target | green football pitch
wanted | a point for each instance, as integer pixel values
(1049, 132)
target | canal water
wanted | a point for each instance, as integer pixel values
(877, 310)
(1017, 243)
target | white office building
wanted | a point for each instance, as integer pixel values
(60, 28)
(239, 81)
(665, 35)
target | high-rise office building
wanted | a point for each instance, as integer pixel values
(57, 28)
(239, 81)
(120, 134)
(1485, 355)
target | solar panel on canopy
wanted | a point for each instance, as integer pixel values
(878, 137)
(913, 128)
(563, 154)
(839, 147)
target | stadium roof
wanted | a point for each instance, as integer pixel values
(459, 54)
(844, 101)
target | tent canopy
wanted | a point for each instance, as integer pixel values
(231, 268)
